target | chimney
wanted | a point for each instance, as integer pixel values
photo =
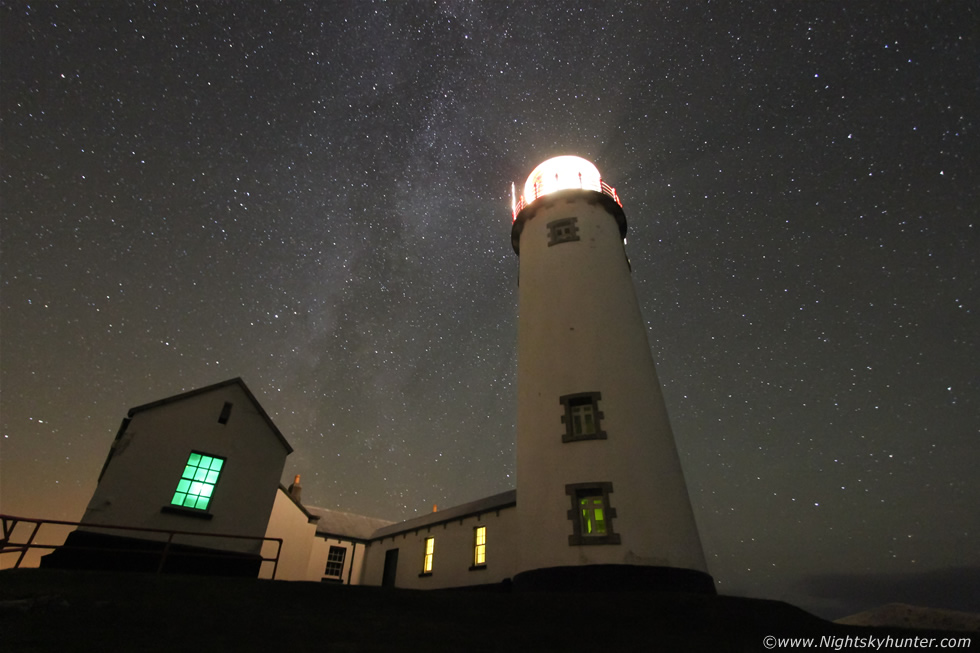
(435, 508)
(296, 490)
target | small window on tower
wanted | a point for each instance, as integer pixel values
(591, 515)
(582, 418)
(562, 231)
(335, 562)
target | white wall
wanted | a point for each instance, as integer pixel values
(299, 536)
(353, 558)
(580, 330)
(304, 553)
(148, 460)
(453, 553)
(318, 558)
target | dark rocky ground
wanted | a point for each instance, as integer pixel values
(54, 610)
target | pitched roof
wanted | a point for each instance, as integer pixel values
(310, 517)
(210, 388)
(346, 525)
(487, 504)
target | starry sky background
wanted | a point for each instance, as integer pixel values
(316, 197)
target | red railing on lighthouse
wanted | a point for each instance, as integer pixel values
(520, 203)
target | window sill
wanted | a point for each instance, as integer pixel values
(585, 540)
(425, 573)
(477, 567)
(331, 579)
(186, 512)
(601, 435)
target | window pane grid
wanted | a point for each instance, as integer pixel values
(196, 485)
(480, 548)
(430, 546)
(335, 561)
(582, 421)
(582, 417)
(593, 521)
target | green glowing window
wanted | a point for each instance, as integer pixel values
(593, 522)
(591, 514)
(480, 546)
(196, 484)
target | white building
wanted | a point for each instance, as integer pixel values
(600, 501)
(207, 461)
(318, 544)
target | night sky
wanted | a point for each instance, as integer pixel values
(316, 197)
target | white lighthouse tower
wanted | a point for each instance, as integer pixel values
(601, 498)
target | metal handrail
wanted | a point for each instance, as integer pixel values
(605, 189)
(9, 523)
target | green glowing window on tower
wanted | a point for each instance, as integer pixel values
(196, 484)
(593, 521)
(592, 517)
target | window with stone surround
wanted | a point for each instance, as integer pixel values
(582, 418)
(591, 515)
(562, 231)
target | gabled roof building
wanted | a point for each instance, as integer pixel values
(207, 461)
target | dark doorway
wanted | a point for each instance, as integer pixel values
(391, 566)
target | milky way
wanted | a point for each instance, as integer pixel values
(316, 197)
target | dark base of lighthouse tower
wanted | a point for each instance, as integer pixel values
(614, 578)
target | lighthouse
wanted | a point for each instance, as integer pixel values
(601, 497)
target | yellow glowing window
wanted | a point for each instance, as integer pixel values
(430, 547)
(196, 484)
(480, 546)
(593, 520)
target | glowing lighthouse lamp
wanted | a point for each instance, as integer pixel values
(601, 497)
(556, 174)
